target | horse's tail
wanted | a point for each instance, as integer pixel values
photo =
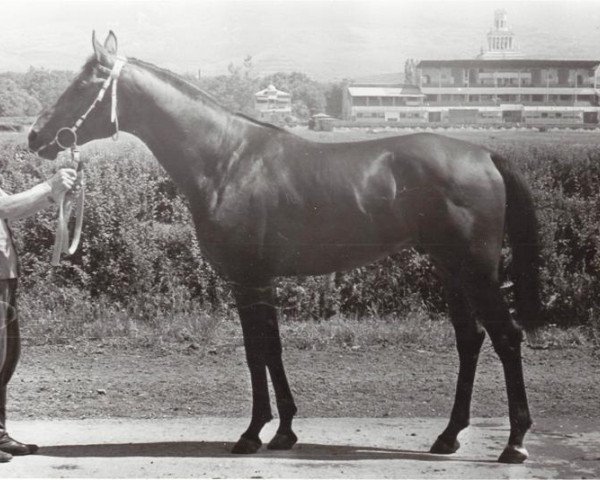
(523, 234)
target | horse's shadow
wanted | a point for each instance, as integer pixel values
(304, 451)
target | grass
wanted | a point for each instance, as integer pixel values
(60, 316)
(526, 138)
(72, 320)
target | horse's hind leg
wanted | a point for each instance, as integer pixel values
(506, 336)
(469, 337)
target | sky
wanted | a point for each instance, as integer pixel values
(326, 39)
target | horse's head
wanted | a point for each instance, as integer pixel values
(73, 108)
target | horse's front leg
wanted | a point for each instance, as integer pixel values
(263, 350)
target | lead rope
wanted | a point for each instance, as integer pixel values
(65, 207)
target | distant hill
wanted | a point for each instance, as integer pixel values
(328, 40)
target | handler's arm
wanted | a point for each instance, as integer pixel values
(23, 204)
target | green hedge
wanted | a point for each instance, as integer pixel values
(139, 249)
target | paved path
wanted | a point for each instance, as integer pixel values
(330, 447)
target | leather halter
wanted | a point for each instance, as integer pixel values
(69, 141)
(111, 79)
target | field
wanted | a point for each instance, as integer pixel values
(123, 329)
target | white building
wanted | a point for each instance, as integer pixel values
(499, 86)
(271, 103)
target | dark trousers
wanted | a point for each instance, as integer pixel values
(10, 342)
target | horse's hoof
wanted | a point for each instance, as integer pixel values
(245, 446)
(283, 441)
(444, 447)
(513, 454)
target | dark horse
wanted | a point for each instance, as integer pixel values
(267, 203)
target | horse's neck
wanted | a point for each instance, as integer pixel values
(189, 137)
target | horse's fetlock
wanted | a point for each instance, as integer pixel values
(267, 418)
(462, 424)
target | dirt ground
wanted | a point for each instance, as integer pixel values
(102, 381)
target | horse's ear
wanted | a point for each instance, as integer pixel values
(98, 48)
(110, 44)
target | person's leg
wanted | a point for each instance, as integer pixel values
(4, 457)
(12, 342)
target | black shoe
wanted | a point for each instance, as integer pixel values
(5, 457)
(12, 447)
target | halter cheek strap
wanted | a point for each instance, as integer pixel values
(112, 79)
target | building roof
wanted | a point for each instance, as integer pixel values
(398, 91)
(271, 91)
(509, 63)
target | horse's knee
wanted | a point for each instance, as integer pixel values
(470, 340)
(507, 341)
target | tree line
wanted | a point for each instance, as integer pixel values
(25, 94)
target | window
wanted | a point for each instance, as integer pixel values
(387, 101)
(544, 115)
(359, 101)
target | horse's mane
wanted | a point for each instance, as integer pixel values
(195, 92)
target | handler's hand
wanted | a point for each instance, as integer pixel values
(62, 181)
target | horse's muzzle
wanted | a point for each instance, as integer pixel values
(38, 146)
